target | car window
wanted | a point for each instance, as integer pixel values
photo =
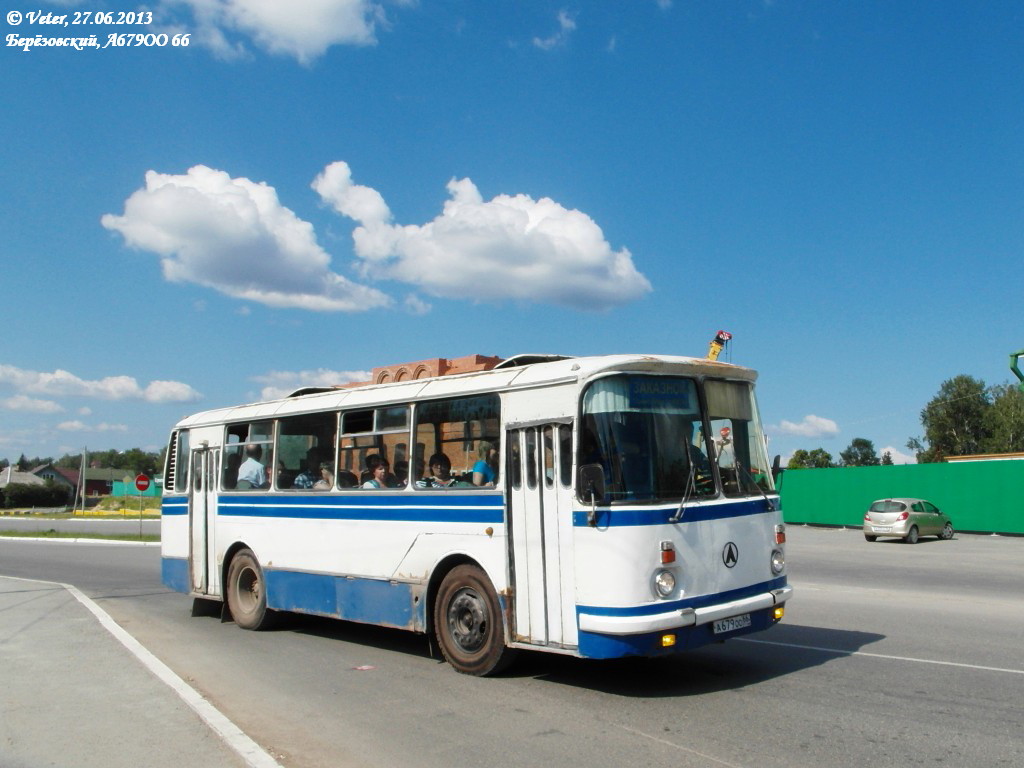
(917, 506)
(929, 507)
(888, 506)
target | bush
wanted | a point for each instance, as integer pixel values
(25, 495)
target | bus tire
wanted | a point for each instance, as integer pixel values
(246, 588)
(467, 623)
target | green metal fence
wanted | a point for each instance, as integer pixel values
(984, 496)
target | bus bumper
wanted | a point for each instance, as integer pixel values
(611, 636)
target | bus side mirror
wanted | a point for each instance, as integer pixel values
(776, 467)
(591, 486)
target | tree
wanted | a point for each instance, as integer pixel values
(819, 458)
(887, 459)
(954, 420)
(1004, 420)
(860, 453)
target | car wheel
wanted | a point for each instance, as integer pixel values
(869, 537)
(947, 532)
(911, 535)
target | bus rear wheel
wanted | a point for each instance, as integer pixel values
(467, 623)
(246, 592)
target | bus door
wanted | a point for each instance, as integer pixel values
(540, 512)
(202, 511)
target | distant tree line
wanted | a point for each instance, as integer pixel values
(965, 417)
(134, 460)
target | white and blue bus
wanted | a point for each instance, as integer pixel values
(594, 506)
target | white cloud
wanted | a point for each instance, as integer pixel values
(510, 247)
(61, 383)
(24, 403)
(78, 426)
(414, 305)
(811, 426)
(566, 26)
(277, 384)
(303, 29)
(233, 235)
(898, 457)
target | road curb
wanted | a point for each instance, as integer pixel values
(63, 540)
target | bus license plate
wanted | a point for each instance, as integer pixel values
(728, 625)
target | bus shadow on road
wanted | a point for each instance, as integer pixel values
(728, 666)
(783, 650)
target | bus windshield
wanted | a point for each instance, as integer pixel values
(649, 436)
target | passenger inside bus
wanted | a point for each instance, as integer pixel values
(326, 481)
(440, 473)
(310, 474)
(377, 473)
(485, 471)
(251, 473)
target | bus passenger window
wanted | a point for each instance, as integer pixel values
(465, 432)
(372, 438)
(249, 450)
(305, 451)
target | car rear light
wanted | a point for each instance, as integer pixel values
(903, 516)
(867, 517)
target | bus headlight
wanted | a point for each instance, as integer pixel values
(665, 583)
(778, 561)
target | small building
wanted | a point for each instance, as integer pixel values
(12, 474)
(98, 481)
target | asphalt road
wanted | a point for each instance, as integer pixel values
(889, 655)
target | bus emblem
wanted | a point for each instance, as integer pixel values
(730, 555)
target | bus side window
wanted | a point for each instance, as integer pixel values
(249, 462)
(463, 433)
(374, 435)
(305, 451)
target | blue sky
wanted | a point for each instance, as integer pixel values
(311, 189)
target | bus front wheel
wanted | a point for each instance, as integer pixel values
(467, 623)
(247, 597)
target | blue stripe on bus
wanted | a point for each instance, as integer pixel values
(593, 645)
(174, 574)
(702, 601)
(369, 601)
(174, 508)
(401, 508)
(625, 516)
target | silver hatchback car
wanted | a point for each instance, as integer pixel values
(906, 519)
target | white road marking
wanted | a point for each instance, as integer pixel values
(668, 743)
(253, 754)
(839, 652)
